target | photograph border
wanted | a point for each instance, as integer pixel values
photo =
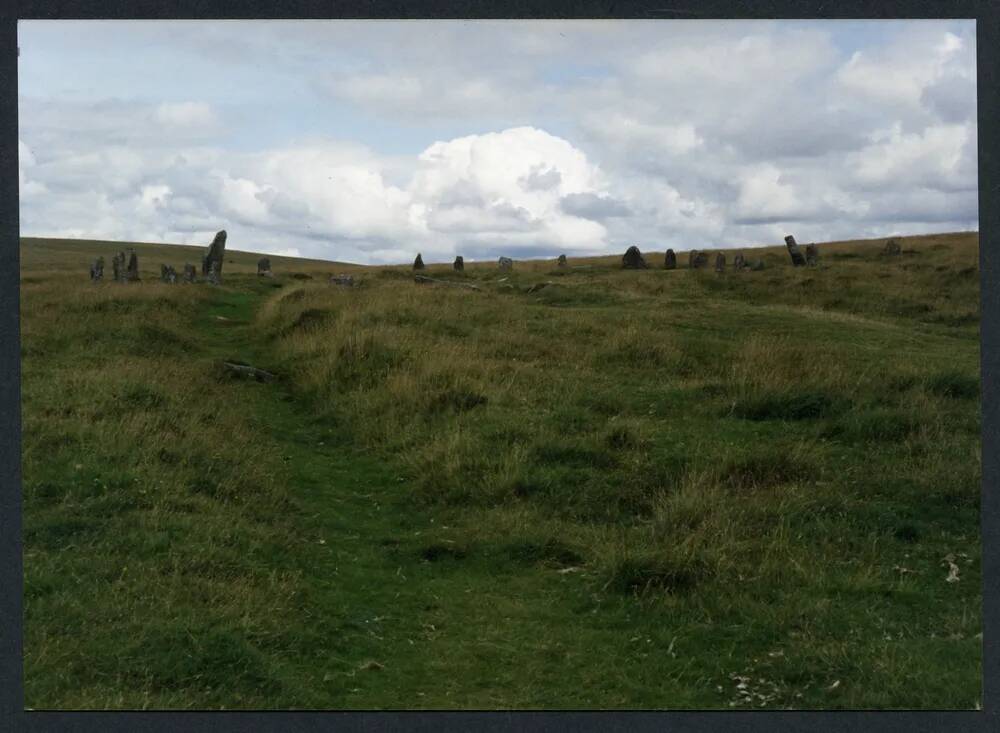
(14, 717)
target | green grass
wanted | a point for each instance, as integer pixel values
(656, 489)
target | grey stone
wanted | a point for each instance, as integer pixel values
(132, 271)
(168, 274)
(459, 263)
(793, 250)
(812, 254)
(505, 263)
(561, 262)
(190, 273)
(632, 259)
(739, 263)
(97, 270)
(720, 262)
(892, 247)
(418, 263)
(345, 281)
(213, 272)
(697, 259)
(670, 260)
(216, 253)
(118, 267)
(264, 267)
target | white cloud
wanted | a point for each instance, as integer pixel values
(896, 75)
(932, 157)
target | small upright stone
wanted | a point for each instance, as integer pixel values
(459, 263)
(670, 260)
(418, 263)
(561, 262)
(720, 262)
(793, 250)
(190, 273)
(118, 267)
(97, 270)
(892, 247)
(632, 259)
(216, 252)
(168, 274)
(213, 272)
(132, 273)
(697, 259)
(812, 254)
(505, 263)
(264, 267)
(739, 263)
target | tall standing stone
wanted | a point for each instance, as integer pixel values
(418, 263)
(793, 250)
(132, 273)
(216, 252)
(812, 254)
(561, 262)
(190, 273)
(264, 267)
(720, 262)
(632, 259)
(213, 272)
(459, 263)
(670, 260)
(505, 263)
(97, 270)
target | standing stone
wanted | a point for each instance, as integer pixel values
(168, 274)
(264, 267)
(190, 273)
(632, 259)
(213, 272)
(118, 267)
(720, 262)
(459, 264)
(812, 254)
(793, 250)
(697, 259)
(343, 280)
(892, 247)
(132, 273)
(561, 262)
(216, 252)
(739, 263)
(670, 260)
(418, 263)
(97, 270)
(505, 263)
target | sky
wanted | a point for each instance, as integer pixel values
(370, 141)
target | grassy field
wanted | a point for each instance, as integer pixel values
(625, 489)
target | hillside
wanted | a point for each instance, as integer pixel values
(570, 488)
